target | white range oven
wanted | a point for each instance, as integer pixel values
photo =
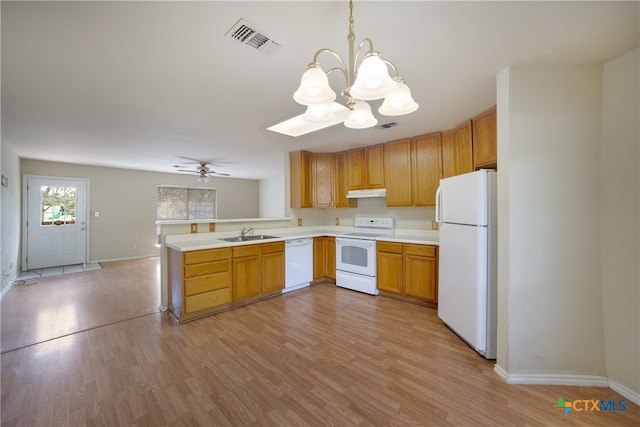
(356, 254)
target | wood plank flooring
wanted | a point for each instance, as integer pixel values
(318, 356)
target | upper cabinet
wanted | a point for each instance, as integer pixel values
(355, 169)
(323, 180)
(374, 166)
(341, 174)
(301, 183)
(397, 163)
(426, 168)
(485, 153)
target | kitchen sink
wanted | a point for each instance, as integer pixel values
(249, 238)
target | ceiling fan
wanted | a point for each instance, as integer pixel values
(205, 173)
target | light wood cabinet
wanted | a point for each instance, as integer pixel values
(420, 272)
(426, 168)
(300, 177)
(323, 179)
(447, 143)
(324, 258)
(464, 148)
(247, 272)
(199, 280)
(374, 166)
(408, 270)
(355, 168)
(273, 267)
(397, 164)
(485, 138)
(389, 267)
(341, 169)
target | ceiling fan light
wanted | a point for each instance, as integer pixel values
(360, 117)
(319, 113)
(314, 88)
(398, 102)
(373, 80)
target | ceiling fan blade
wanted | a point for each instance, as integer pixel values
(218, 174)
(187, 170)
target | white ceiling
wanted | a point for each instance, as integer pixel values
(138, 84)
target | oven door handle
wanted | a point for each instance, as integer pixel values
(357, 241)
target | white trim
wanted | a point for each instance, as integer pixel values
(625, 391)
(570, 380)
(9, 285)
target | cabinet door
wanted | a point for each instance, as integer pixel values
(330, 257)
(485, 138)
(318, 258)
(355, 168)
(397, 163)
(301, 184)
(323, 180)
(389, 268)
(247, 277)
(420, 272)
(342, 182)
(272, 271)
(426, 169)
(464, 148)
(448, 153)
(374, 166)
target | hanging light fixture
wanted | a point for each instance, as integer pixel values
(371, 82)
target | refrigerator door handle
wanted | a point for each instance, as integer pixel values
(438, 195)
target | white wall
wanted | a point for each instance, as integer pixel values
(126, 200)
(620, 214)
(9, 215)
(271, 197)
(548, 222)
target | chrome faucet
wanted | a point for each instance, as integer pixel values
(244, 231)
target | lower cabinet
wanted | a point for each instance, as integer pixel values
(409, 270)
(208, 280)
(200, 280)
(324, 258)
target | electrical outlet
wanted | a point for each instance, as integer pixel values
(194, 228)
(299, 222)
(337, 221)
(212, 227)
(434, 225)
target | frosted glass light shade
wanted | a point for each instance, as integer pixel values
(319, 113)
(360, 117)
(398, 102)
(314, 88)
(372, 81)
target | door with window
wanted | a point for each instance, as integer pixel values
(55, 230)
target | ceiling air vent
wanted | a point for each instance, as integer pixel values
(246, 33)
(388, 125)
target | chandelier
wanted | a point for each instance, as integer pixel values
(372, 81)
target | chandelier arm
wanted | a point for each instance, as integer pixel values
(359, 49)
(393, 67)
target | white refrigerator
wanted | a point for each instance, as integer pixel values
(466, 212)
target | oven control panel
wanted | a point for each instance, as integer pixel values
(374, 222)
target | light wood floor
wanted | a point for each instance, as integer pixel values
(318, 356)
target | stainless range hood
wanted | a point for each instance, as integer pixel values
(361, 194)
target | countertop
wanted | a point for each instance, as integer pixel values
(198, 241)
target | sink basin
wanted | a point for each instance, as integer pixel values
(249, 238)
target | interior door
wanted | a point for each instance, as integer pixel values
(56, 222)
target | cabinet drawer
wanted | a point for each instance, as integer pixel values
(269, 248)
(212, 282)
(389, 247)
(197, 257)
(247, 250)
(207, 268)
(207, 300)
(420, 250)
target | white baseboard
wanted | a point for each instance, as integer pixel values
(570, 380)
(9, 285)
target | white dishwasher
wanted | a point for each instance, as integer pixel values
(298, 259)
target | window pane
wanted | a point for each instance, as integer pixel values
(57, 205)
(185, 203)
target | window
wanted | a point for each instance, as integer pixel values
(175, 203)
(57, 205)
